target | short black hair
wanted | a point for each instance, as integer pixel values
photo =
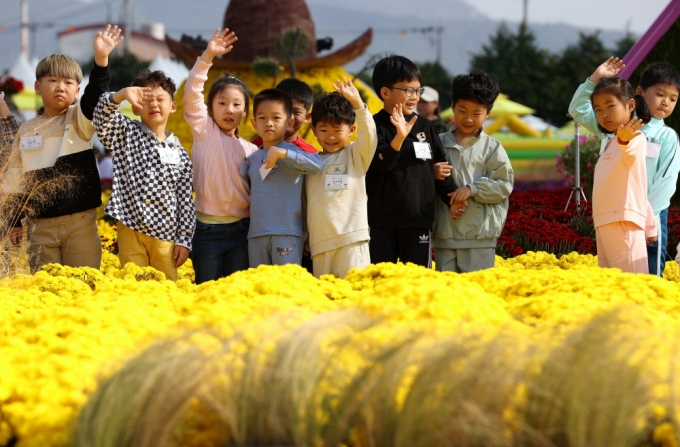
(148, 78)
(298, 90)
(477, 87)
(622, 91)
(393, 69)
(274, 94)
(659, 73)
(334, 109)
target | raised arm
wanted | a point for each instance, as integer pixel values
(195, 110)
(109, 122)
(100, 76)
(581, 108)
(364, 147)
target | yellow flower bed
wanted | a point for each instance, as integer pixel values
(317, 78)
(64, 329)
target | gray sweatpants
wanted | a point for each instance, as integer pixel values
(275, 250)
(463, 260)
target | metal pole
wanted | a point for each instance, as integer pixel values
(24, 28)
(577, 168)
(128, 26)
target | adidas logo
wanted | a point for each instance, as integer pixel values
(424, 239)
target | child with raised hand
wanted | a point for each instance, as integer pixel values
(622, 215)
(151, 198)
(660, 87)
(401, 183)
(220, 243)
(276, 174)
(467, 229)
(337, 218)
(57, 164)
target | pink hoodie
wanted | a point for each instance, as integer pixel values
(620, 185)
(220, 182)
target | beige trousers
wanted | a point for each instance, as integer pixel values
(146, 251)
(340, 261)
(71, 240)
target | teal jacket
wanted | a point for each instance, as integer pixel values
(663, 153)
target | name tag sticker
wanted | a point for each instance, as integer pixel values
(169, 156)
(422, 151)
(264, 172)
(337, 182)
(30, 143)
(653, 150)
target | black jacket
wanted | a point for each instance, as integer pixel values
(401, 188)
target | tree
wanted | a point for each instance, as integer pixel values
(291, 46)
(523, 70)
(624, 44)
(435, 75)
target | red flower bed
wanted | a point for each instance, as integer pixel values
(537, 221)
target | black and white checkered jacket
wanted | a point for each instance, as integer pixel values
(149, 196)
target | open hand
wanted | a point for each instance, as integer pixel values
(180, 254)
(137, 97)
(104, 43)
(460, 195)
(609, 68)
(630, 130)
(397, 118)
(345, 87)
(220, 44)
(442, 170)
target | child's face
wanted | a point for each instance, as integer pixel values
(611, 112)
(57, 93)
(228, 109)
(469, 116)
(157, 111)
(300, 115)
(271, 121)
(397, 95)
(333, 137)
(661, 99)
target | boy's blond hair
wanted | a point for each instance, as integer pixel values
(59, 65)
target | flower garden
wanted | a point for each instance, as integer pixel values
(540, 350)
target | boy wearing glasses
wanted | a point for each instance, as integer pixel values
(400, 182)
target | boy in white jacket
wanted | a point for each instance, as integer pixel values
(337, 218)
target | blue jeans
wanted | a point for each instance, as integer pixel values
(660, 247)
(220, 249)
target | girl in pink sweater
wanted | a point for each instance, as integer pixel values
(624, 222)
(220, 244)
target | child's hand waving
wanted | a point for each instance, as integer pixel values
(609, 68)
(397, 118)
(630, 130)
(104, 43)
(220, 44)
(136, 96)
(349, 91)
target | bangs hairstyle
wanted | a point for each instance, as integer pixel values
(334, 109)
(276, 95)
(148, 78)
(59, 65)
(227, 81)
(298, 91)
(477, 87)
(622, 90)
(659, 73)
(393, 69)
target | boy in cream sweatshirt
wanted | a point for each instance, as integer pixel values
(338, 220)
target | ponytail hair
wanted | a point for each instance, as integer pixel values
(224, 81)
(623, 91)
